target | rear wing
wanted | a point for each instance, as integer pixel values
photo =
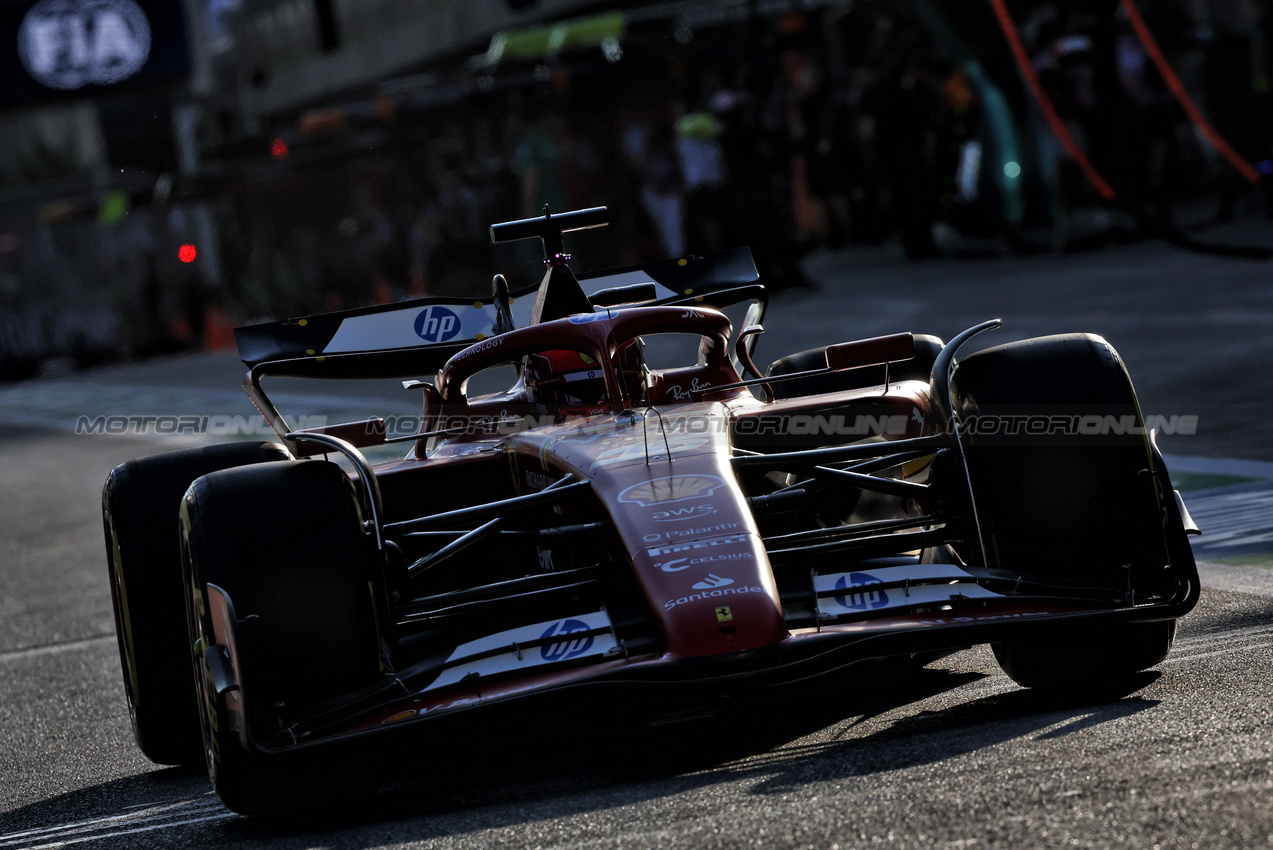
(420, 335)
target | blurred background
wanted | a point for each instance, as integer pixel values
(172, 168)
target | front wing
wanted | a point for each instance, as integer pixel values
(577, 666)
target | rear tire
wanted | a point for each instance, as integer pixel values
(285, 543)
(140, 505)
(1058, 465)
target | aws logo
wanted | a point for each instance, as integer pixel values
(679, 514)
(673, 488)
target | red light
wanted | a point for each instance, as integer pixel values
(278, 149)
(187, 253)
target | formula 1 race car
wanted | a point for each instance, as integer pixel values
(607, 503)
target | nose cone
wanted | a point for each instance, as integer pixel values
(684, 521)
(712, 593)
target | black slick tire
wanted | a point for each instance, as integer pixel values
(285, 544)
(141, 503)
(1058, 463)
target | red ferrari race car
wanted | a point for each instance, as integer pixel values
(607, 503)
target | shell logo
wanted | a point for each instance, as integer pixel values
(673, 488)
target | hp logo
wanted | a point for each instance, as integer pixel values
(437, 324)
(860, 597)
(564, 650)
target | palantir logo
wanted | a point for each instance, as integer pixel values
(437, 324)
(65, 44)
(860, 600)
(565, 650)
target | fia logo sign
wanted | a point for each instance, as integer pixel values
(437, 324)
(65, 44)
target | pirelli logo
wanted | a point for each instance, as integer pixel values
(697, 545)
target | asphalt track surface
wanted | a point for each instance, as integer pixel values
(951, 755)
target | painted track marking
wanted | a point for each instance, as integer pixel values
(151, 817)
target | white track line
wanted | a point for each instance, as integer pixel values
(153, 816)
(123, 832)
(54, 649)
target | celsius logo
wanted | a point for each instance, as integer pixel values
(677, 564)
(712, 581)
(674, 488)
(566, 649)
(65, 44)
(437, 324)
(860, 600)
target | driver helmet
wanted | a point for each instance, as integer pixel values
(569, 380)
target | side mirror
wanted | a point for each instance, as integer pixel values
(432, 406)
(503, 305)
(755, 316)
(359, 434)
(870, 352)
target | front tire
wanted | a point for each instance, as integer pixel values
(1059, 467)
(1097, 655)
(140, 505)
(285, 544)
